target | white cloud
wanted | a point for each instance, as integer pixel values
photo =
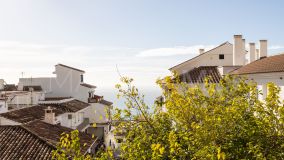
(274, 47)
(179, 50)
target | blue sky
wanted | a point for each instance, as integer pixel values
(142, 37)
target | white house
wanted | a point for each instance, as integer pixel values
(113, 140)
(263, 71)
(67, 82)
(222, 59)
(219, 61)
(67, 112)
(28, 96)
(3, 105)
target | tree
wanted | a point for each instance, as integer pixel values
(210, 121)
(69, 147)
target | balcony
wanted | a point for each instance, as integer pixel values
(95, 99)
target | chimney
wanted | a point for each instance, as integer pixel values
(262, 49)
(201, 51)
(238, 51)
(252, 53)
(257, 54)
(49, 115)
(244, 50)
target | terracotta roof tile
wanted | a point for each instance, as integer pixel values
(35, 140)
(105, 102)
(10, 87)
(198, 75)
(55, 98)
(35, 88)
(18, 143)
(29, 114)
(52, 133)
(264, 65)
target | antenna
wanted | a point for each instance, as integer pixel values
(22, 73)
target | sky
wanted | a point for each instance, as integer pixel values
(139, 38)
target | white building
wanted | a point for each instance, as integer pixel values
(66, 112)
(219, 61)
(67, 82)
(113, 139)
(263, 71)
(233, 58)
(3, 105)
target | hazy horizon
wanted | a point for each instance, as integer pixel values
(140, 38)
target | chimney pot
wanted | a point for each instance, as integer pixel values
(238, 36)
(257, 54)
(262, 48)
(252, 52)
(49, 115)
(239, 51)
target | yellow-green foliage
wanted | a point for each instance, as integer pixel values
(213, 121)
(69, 147)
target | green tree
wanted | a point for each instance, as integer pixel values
(210, 121)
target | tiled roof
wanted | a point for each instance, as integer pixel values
(18, 143)
(35, 140)
(52, 133)
(88, 85)
(29, 114)
(70, 106)
(264, 65)
(56, 98)
(105, 102)
(70, 67)
(35, 88)
(10, 87)
(198, 75)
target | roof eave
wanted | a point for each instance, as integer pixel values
(227, 42)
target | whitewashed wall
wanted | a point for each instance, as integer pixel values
(210, 58)
(110, 140)
(97, 113)
(77, 119)
(65, 84)
(263, 78)
(26, 98)
(3, 106)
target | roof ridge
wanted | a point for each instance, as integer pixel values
(63, 65)
(226, 42)
(33, 133)
(269, 64)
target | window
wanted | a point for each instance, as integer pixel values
(82, 78)
(221, 56)
(69, 116)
